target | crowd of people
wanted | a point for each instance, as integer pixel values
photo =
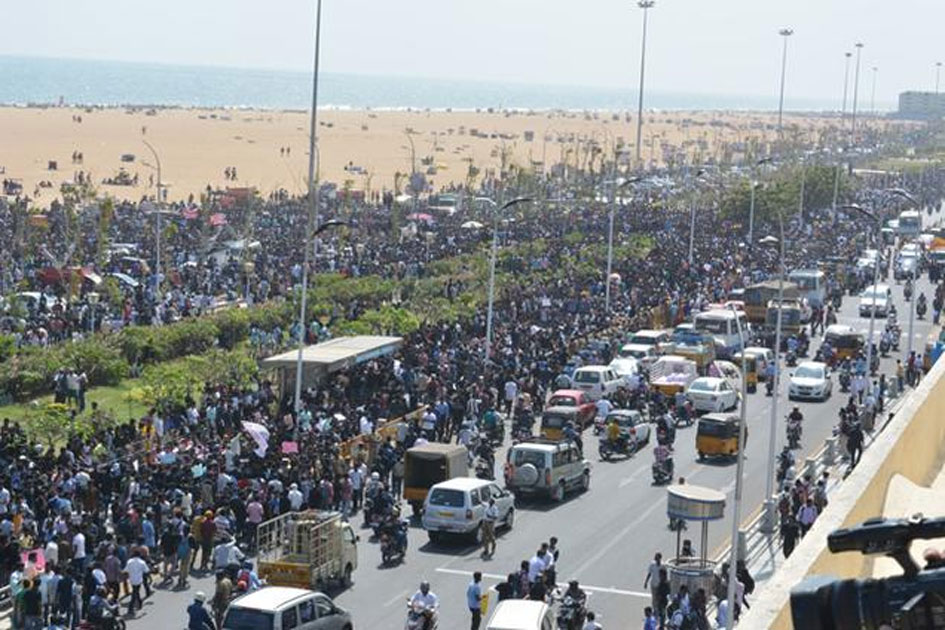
(106, 509)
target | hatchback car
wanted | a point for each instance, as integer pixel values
(586, 409)
(710, 393)
(811, 380)
(285, 608)
(458, 506)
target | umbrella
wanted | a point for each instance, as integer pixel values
(420, 216)
(471, 225)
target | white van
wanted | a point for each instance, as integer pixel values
(457, 506)
(597, 381)
(521, 614)
(285, 608)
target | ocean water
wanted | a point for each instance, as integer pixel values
(33, 80)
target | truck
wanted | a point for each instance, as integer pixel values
(691, 344)
(429, 464)
(672, 374)
(307, 549)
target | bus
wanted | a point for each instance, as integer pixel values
(757, 296)
(910, 224)
(812, 284)
(721, 324)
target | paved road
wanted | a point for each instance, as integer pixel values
(607, 536)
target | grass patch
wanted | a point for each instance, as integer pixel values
(113, 401)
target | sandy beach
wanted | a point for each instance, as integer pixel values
(363, 148)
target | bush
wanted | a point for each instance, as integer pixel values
(7, 347)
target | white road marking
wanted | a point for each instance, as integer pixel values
(593, 589)
(618, 538)
(628, 480)
(396, 598)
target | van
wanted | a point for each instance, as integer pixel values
(458, 506)
(597, 381)
(521, 614)
(285, 608)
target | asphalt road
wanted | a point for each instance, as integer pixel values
(607, 535)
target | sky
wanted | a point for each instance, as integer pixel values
(693, 46)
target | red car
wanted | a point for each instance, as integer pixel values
(587, 410)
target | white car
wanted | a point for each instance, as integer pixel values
(711, 393)
(597, 381)
(810, 380)
(628, 369)
(877, 295)
(644, 354)
(457, 506)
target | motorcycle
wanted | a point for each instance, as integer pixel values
(571, 613)
(417, 615)
(484, 469)
(495, 435)
(845, 381)
(394, 544)
(623, 446)
(109, 622)
(920, 308)
(790, 359)
(599, 425)
(665, 436)
(769, 387)
(884, 346)
(662, 472)
(794, 434)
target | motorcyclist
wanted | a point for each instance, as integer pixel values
(198, 617)
(574, 598)
(427, 601)
(102, 611)
(572, 435)
(490, 422)
(907, 290)
(921, 305)
(613, 432)
(796, 415)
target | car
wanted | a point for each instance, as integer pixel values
(628, 369)
(285, 608)
(810, 380)
(586, 409)
(521, 614)
(597, 381)
(540, 467)
(874, 297)
(711, 393)
(648, 337)
(631, 422)
(644, 354)
(458, 506)
(906, 267)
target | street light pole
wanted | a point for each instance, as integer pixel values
(739, 474)
(692, 220)
(751, 207)
(157, 234)
(856, 90)
(302, 325)
(784, 33)
(873, 93)
(770, 503)
(843, 112)
(938, 68)
(646, 5)
(492, 260)
(313, 204)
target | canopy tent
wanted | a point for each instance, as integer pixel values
(322, 359)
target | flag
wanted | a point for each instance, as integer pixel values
(260, 435)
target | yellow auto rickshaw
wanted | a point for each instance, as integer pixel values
(553, 420)
(717, 435)
(846, 341)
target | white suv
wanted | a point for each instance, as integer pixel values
(546, 467)
(457, 506)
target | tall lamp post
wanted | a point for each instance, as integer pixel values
(739, 474)
(751, 207)
(938, 69)
(770, 504)
(692, 220)
(646, 5)
(309, 234)
(873, 93)
(784, 33)
(617, 186)
(497, 210)
(843, 113)
(157, 231)
(856, 90)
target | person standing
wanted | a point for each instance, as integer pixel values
(663, 592)
(474, 600)
(650, 622)
(855, 444)
(652, 579)
(136, 568)
(805, 518)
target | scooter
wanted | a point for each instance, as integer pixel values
(845, 381)
(624, 446)
(662, 472)
(394, 544)
(794, 434)
(790, 359)
(484, 470)
(417, 615)
(920, 308)
(571, 614)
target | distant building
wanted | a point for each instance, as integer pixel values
(922, 105)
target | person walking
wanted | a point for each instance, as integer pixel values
(474, 600)
(652, 579)
(136, 568)
(855, 444)
(650, 622)
(805, 518)
(488, 529)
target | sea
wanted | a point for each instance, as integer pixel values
(46, 81)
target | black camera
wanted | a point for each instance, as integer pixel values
(913, 601)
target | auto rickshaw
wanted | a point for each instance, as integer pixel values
(717, 435)
(553, 420)
(751, 370)
(846, 341)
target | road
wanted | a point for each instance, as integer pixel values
(607, 535)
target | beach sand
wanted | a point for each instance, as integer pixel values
(361, 148)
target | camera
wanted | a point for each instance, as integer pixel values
(914, 600)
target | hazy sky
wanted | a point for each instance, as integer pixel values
(695, 46)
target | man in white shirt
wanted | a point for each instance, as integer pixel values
(511, 393)
(136, 568)
(295, 497)
(428, 600)
(535, 566)
(78, 551)
(51, 552)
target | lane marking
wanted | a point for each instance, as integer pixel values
(618, 538)
(593, 589)
(396, 598)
